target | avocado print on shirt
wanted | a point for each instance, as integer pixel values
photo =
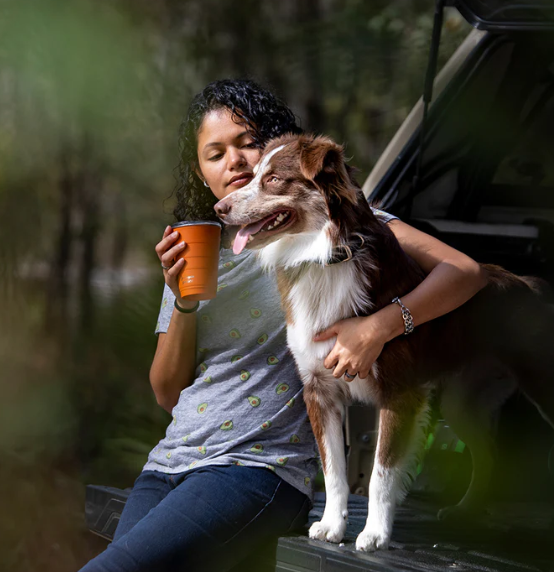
(202, 450)
(272, 360)
(244, 294)
(185, 438)
(229, 265)
(294, 439)
(208, 379)
(281, 388)
(262, 339)
(164, 302)
(257, 448)
(265, 425)
(234, 333)
(236, 358)
(282, 461)
(227, 425)
(255, 313)
(254, 401)
(221, 286)
(202, 408)
(290, 402)
(206, 319)
(244, 375)
(203, 367)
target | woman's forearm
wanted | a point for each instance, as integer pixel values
(449, 285)
(174, 363)
(452, 278)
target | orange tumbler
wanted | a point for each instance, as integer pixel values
(198, 278)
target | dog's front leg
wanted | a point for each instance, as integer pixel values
(325, 406)
(399, 428)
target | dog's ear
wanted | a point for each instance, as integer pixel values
(319, 154)
(322, 161)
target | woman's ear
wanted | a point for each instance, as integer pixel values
(199, 174)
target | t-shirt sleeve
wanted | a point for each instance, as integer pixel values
(166, 309)
(384, 216)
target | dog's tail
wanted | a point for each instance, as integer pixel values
(540, 287)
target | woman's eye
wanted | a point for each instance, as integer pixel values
(273, 179)
(215, 157)
(250, 145)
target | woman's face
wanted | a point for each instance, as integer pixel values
(226, 153)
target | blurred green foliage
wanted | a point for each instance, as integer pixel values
(91, 96)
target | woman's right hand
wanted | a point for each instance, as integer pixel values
(167, 252)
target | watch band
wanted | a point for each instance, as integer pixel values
(184, 310)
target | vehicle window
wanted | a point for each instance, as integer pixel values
(490, 157)
(456, 132)
(522, 187)
(488, 172)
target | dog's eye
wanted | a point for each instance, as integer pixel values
(273, 179)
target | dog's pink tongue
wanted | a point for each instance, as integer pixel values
(241, 240)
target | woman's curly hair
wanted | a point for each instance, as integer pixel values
(264, 115)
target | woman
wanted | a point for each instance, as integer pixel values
(236, 467)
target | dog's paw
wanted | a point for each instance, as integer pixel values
(328, 530)
(370, 540)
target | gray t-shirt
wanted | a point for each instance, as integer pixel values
(245, 405)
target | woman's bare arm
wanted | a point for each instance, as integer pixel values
(452, 279)
(175, 360)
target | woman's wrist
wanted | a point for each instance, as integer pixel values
(186, 306)
(389, 322)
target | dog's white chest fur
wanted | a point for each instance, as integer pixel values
(322, 297)
(319, 297)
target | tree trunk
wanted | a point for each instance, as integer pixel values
(56, 314)
(90, 217)
(309, 11)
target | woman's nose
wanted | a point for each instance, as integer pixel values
(236, 158)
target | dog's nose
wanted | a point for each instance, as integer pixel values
(222, 208)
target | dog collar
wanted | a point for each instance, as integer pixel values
(344, 253)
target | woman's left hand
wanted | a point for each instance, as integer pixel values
(358, 345)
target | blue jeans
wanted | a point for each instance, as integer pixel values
(213, 518)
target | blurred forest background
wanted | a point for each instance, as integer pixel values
(91, 96)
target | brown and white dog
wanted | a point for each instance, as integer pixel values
(303, 211)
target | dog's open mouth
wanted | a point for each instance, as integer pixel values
(273, 224)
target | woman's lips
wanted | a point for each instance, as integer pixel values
(241, 181)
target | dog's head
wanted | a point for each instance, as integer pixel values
(301, 185)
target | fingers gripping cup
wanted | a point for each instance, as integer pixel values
(198, 278)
